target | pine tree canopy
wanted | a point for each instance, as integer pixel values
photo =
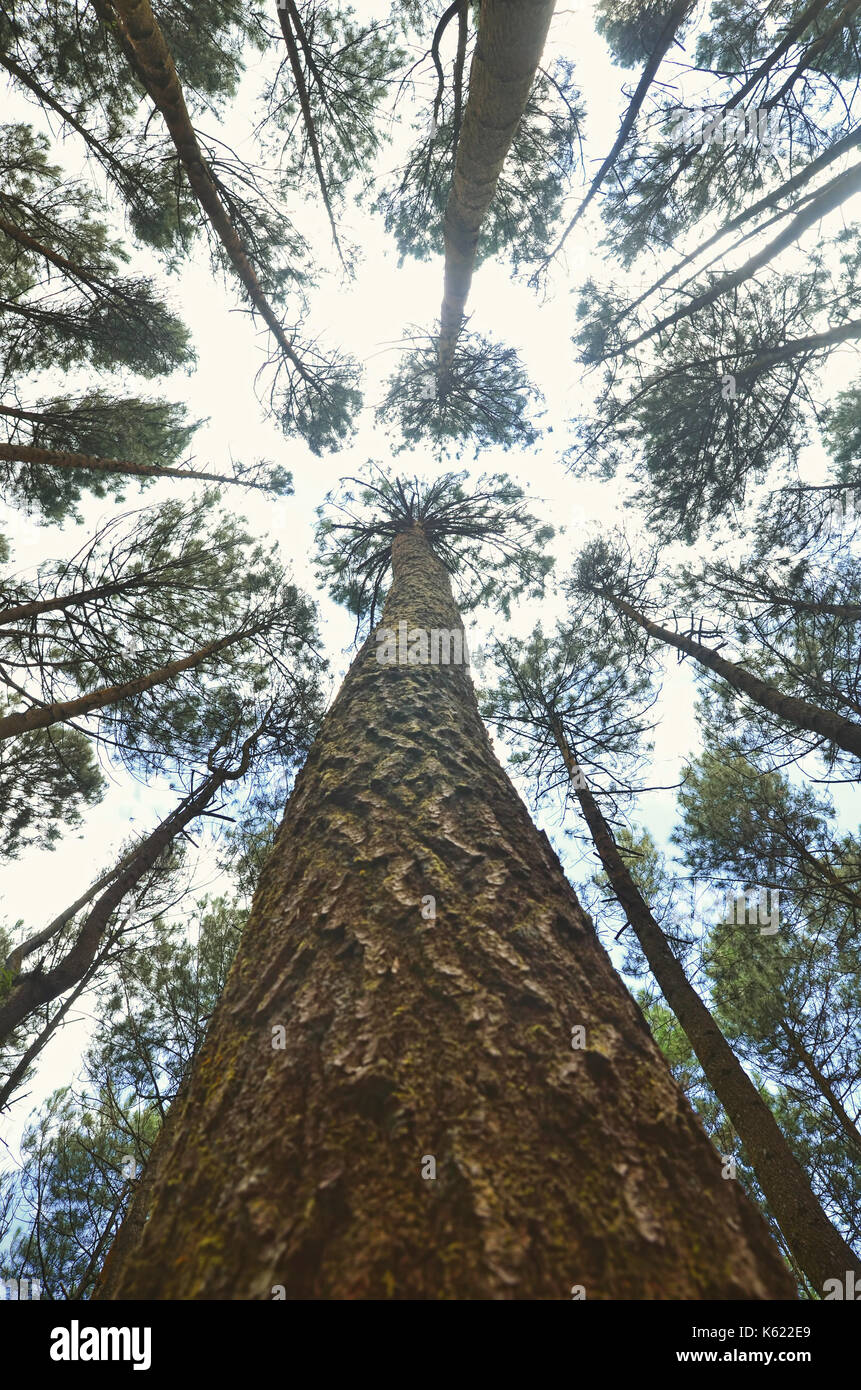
(430, 663)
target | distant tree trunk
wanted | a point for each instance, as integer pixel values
(508, 47)
(835, 728)
(43, 716)
(34, 988)
(816, 1246)
(823, 1086)
(394, 1098)
(59, 458)
(666, 38)
(144, 45)
(286, 12)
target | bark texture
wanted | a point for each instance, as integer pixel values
(817, 1247)
(408, 1036)
(508, 49)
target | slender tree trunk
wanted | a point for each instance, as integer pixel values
(823, 1086)
(832, 196)
(674, 19)
(508, 49)
(59, 458)
(144, 43)
(16, 1076)
(35, 988)
(394, 1098)
(42, 716)
(158, 577)
(833, 727)
(819, 1249)
(308, 122)
(769, 203)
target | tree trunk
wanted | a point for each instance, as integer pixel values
(675, 18)
(823, 1086)
(832, 196)
(817, 1247)
(31, 990)
(59, 458)
(393, 1099)
(835, 728)
(43, 716)
(508, 49)
(307, 115)
(144, 44)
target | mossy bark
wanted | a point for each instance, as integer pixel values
(410, 1036)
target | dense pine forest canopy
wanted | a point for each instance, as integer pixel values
(444, 423)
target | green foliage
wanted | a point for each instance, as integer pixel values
(487, 539)
(485, 401)
(47, 778)
(631, 28)
(82, 1157)
(320, 401)
(65, 57)
(178, 577)
(94, 317)
(348, 65)
(788, 1001)
(579, 676)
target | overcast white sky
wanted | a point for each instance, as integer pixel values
(368, 318)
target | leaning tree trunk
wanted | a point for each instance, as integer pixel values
(92, 463)
(817, 1247)
(508, 48)
(395, 1097)
(836, 728)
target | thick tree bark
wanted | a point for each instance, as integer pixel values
(508, 49)
(833, 727)
(409, 1037)
(58, 458)
(818, 1248)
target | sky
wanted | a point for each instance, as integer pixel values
(368, 318)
